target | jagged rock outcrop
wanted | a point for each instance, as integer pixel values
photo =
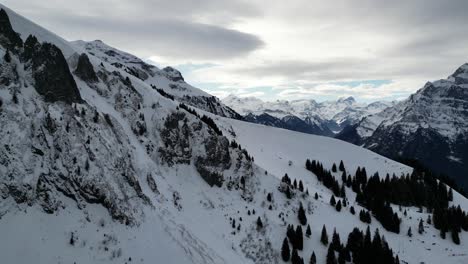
(51, 73)
(179, 135)
(176, 138)
(173, 74)
(8, 37)
(85, 70)
(216, 160)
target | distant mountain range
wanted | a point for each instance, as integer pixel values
(308, 116)
(430, 126)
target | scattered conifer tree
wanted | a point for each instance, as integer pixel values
(313, 258)
(285, 251)
(341, 167)
(295, 259)
(299, 238)
(410, 233)
(338, 206)
(308, 231)
(331, 258)
(301, 215)
(324, 236)
(259, 223)
(421, 227)
(455, 237)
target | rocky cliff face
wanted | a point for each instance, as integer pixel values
(56, 144)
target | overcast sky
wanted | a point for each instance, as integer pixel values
(277, 49)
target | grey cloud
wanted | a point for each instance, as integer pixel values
(166, 28)
(334, 69)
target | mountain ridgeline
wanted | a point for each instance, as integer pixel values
(431, 126)
(105, 158)
(306, 116)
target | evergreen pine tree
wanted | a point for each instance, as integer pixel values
(410, 233)
(301, 186)
(301, 215)
(334, 167)
(421, 227)
(295, 259)
(259, 223)
(332, 200)
(336, 242)
(299, 238)
(308, 231)
(291, 234)
(331, 258)
(285, 252)
(269, 197)
(443, 233)
(288, 192)
(342, 257)
(316, 196)
(338, 206)
(313, 258)
(343, 191)
(455, 237)
(351, 209)
(341, 167)
(324, 236)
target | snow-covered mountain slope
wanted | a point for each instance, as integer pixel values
(97, 166)
(168, 79)
(430, 126)
(283, 151)
(325, 118)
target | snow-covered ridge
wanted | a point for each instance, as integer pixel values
(168, 79)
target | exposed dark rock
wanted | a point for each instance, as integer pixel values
(211, 104)
(8, 37)
(85, 70)
(290, 122)
(152, 183)
(173, 74)
(217, 159)
(176, 138)
(211, 177)
(52, 75)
